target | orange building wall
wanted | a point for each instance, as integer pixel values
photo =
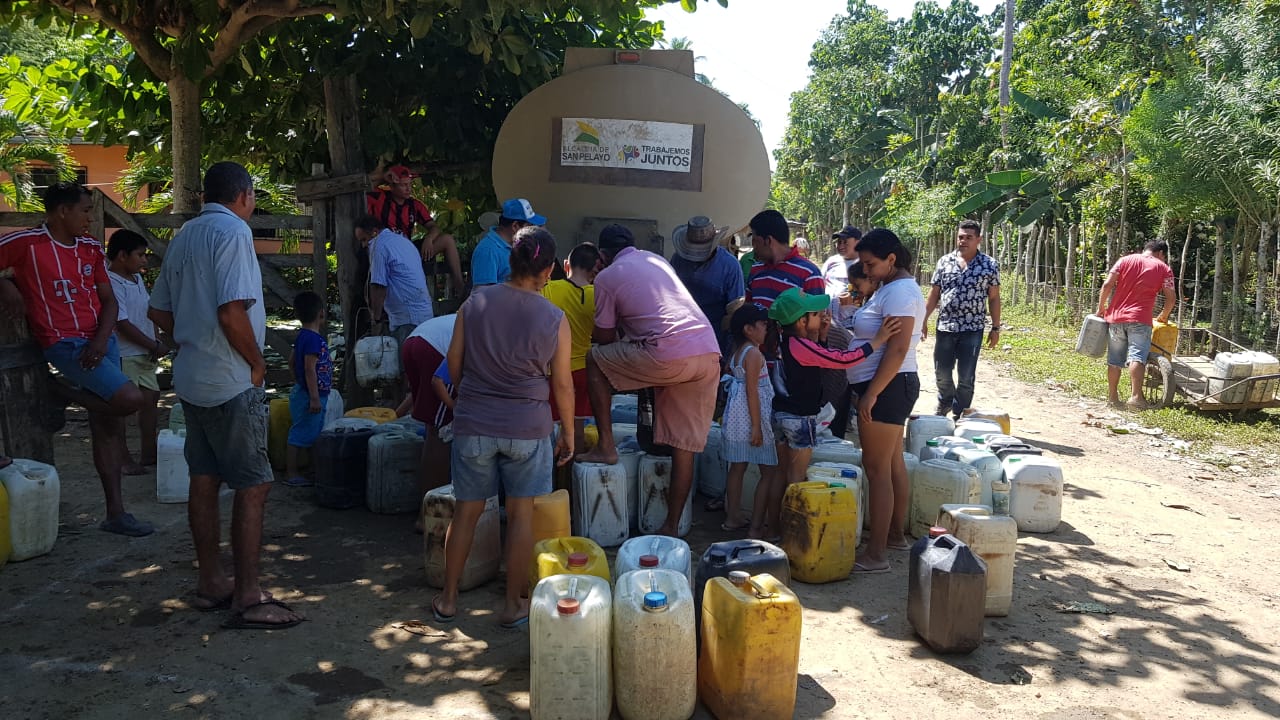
(103, 164)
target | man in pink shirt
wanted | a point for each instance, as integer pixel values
(651, 333)
(1135, 280)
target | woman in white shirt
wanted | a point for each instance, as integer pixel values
(887, 387)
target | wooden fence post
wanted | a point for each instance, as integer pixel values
(342, 120)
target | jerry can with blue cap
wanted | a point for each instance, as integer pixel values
(655, 657)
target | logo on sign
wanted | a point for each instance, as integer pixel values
(587, 134)
(629, 153)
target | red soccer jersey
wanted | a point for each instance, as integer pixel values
(58, 283)
(400, 217)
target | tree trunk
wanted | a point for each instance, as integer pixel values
(1073, 236)
(1195, 297)
(1006, 64)
(1111, 243)
(1260, 297)
(29, 414)
(1235, 285)
(184, 106)
(1124, 195)
(1219, 241)
(1182, 270)
(342, 121)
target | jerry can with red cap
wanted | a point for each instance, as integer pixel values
(570, 659)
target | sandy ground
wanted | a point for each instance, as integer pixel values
(100, 628)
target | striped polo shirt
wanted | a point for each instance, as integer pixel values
(769, 280)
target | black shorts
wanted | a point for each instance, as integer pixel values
(896, 401)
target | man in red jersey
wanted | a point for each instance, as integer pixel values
(61, 277)
(401, 212)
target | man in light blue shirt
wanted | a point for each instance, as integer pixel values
(209, 298)
(397, 284)
(491, 260)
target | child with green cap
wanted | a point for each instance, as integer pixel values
(797, 384)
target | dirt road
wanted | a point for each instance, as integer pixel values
(100, 627)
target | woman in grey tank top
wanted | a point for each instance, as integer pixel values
(508, 343)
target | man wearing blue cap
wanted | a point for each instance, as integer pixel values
(491, 260)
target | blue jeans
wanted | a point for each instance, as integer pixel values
(958, 351)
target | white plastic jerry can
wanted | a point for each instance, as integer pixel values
(34, 491)
(570, 658)
(600, 503)
(173, 480)
(655, 483)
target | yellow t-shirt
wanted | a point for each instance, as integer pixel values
(579, 306)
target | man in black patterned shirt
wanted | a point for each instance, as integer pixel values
(965, 283)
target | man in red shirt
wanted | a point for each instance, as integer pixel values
(401, 212)
(61, 278)
(1135, 280)
(779, 266)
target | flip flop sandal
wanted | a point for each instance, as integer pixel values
(210, 603)
(237, 620)
(860, 569)
(734, 528)
(518, 622)
(439, 616)
(299, 482)
(714, 504)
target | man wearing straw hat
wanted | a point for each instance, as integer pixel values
(709, 272)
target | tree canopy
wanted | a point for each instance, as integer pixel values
(241, 77)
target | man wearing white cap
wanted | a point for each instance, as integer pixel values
(491, 260)
(709, 272)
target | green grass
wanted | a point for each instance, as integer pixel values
(1042, 351)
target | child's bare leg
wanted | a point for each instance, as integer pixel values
(733, 496)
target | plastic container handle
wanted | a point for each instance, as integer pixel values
(761, 591)
(947, 541)
(756, 549)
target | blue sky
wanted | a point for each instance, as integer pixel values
(757, 51)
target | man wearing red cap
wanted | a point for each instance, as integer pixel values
(401, 212)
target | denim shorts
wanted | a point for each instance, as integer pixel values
(482, 463)
(103, 380)
(1128, 343)
(305, 425)
(800, 432)
(896, 402)
(229, 441)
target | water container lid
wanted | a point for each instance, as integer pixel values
(980, 440)
(568, 606)
(648, 561)
(1015, 458)
(578, 559)
(739, 577)
(936, 531)
(931, 443)
(655, 601)
(848, 473)
(836, 485)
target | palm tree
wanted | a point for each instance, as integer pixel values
(24, 145)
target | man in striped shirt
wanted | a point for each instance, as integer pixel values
(778, 266)
(61, 277)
